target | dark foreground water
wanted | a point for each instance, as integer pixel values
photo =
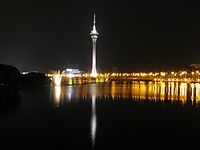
(102, 116)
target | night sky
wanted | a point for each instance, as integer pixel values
(136, 35)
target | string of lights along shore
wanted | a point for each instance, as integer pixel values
(94, 34)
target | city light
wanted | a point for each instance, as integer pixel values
(57, 79)
(80, 78)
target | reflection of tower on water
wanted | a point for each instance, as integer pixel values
(93, 121)
(57, 95)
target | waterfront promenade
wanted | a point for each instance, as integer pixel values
(180, 76)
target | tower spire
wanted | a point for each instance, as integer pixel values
(94, 25)
(94, 19)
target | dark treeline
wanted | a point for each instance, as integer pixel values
(10, 77)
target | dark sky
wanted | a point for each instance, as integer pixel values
(136, 35)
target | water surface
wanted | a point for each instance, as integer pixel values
(102, 116)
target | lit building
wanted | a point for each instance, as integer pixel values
(94, 35)
(195, 66)
(72, 73)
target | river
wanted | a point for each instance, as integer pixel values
(102, 116)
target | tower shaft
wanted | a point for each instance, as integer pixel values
(94, 70)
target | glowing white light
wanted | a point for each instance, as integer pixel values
(69, 92)
(57, 79)
(70, 75)
(69, 70)
(93, 120)
(94, 75)
(57, 95)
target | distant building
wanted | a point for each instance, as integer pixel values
(27, 72)
(70, 72)
(195, 66)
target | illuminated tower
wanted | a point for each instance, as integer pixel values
(94, 35)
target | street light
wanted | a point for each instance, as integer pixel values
(198, 75)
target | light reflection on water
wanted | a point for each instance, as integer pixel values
(171, 91)
(137, 91)
(93, 121)
(57, 95)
